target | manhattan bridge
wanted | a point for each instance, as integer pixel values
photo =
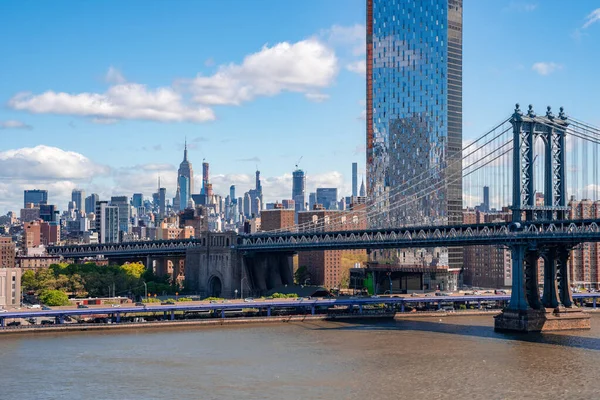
(535, 163)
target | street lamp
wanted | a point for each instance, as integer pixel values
(235, 294)
(145, 290)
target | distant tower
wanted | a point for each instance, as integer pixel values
(298, 189)
(185, 169)
(205, 177)
(78, 197)
(184, 187)
(162, 200)
(486, 199)
(354, 179)
(362, 189)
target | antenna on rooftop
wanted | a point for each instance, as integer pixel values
(298, 162)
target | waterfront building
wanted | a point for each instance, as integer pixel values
(276, 218)
(584, 260)
(78, 197)
(298, 189)
(414, 113)
(35, 197)
(10, 287)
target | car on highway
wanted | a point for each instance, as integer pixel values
(115, 305)
(46, 308)
(249, 300)
(14, 323)
(35, 306)
(3, 310)
(82, 306)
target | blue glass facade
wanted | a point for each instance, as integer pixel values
(414, 111)
(184, 191)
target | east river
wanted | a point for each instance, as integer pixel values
(459, 357)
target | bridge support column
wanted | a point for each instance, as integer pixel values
(550, 297)
(2, 322)
(172, 315)
(594, 303)
(223, 313)
(564, 283)
(118, 317)
(518, 301)
(268, 311)
(312, 310)
(402, 307)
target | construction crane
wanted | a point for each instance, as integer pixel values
(298, 162)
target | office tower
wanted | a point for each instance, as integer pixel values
(205, 177)
(414, 113)
(240, 205)
(247, 205)
(288, 204)
(90, 202)
(362, 189)
(138, 200)
(232, 193)
(184, 188)
(162, 202)
(185, 169)
(354, 179)
(78, 197)
(35, 197)
(107, 222)
(312, 200)
(49, 213)
(256, 207)
(122, 203)
(486, 199)
(327, 197)
(298, 189)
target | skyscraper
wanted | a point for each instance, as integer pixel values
(184, 186)
(90, 202)
(205, 177)
(185, 169)
(36, 197)
(138, 200)
(78, 197)
(298, 189)
(107, 222)
(414, 112)
(122, 203)
(327, 197)
(354, 179)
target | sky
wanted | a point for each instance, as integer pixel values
(102, 95)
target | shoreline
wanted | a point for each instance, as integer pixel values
(214, 322)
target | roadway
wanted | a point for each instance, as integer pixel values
(311, 304)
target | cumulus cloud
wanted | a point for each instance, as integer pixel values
(546, 68)
(47, 163)
(14, 124)
(360, 67)
(316, 97)
(113, 75)
(123, 101)
(305, 67)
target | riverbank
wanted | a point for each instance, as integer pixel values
(233, 321)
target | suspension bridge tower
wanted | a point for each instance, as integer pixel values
(554, 310)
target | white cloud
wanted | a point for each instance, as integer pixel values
(522, 6)
(546, 68)
(360, 67)
(592, 18)
(14, 124)
(124, 101)
(351, 37)
(305, 67)
(363, 115)
(317, 97)
(47, 163)
(113, 75)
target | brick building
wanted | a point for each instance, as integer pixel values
(277, 218)
(7, 252)
(584, 261)
(325, 266)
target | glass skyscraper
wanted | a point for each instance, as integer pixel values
(414, 113)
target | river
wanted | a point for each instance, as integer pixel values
(458, 357)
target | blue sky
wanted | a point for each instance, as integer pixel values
(101, 95)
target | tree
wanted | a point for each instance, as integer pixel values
(301, 275)
(29, 281)
(54, 298)
(134, 270)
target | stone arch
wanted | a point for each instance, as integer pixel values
(215, 286)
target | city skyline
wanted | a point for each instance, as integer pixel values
(234, 141)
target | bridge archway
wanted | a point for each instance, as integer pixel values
(215, 287)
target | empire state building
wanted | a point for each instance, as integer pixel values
(185, 180)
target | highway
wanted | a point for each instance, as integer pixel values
(309, 304)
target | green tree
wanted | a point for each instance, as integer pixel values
(29, 281)
(301, 275)
(134, 270)
(54, 298)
